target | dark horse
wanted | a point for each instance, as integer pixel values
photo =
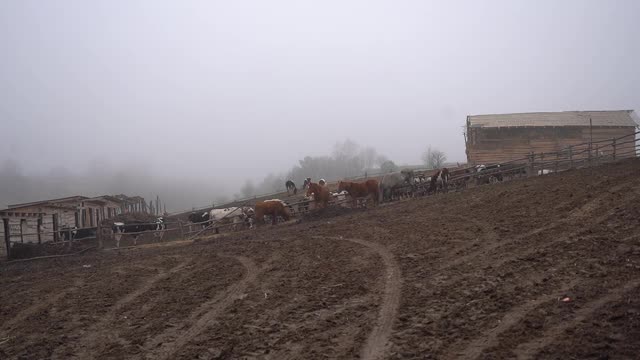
(306, 183)
(439, 180)
(291, 187)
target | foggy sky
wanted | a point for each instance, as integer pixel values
(222, 91)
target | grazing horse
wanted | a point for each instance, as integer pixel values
(136, 227)
(320, 194)
(358, 190)
(196, 217)
(488, 174)
(391, 182)
(233, 214)
(273, 208)
(291, 187)
(249, 216)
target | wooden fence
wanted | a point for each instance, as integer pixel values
(572, 157)
(533, 164)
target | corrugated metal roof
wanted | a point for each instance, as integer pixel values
(565, 118)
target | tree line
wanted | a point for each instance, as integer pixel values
(347, 159)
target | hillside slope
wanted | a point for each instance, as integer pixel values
(480, 274)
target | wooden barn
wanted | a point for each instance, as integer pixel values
(498, 138)
(40, 221)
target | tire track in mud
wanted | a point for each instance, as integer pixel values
(490, 338)
(378, 339)
(296, 351)
(473, 256)
(498, 244)
(459, 260)
(582, 212)
(166, 344)
(101, 329)
(529, 349)
(39, 306)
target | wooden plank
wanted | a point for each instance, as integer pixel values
(7, 237)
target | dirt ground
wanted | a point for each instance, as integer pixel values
(480, 274)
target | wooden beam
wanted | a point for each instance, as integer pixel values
(40, 230)
(56, 236)
(7, 236)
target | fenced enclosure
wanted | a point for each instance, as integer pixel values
(44, 229)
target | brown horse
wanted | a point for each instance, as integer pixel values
(358, 190)
(320, 194)
(274, 208)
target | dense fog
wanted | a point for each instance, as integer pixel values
(207, 101)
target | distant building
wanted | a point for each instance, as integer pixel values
(40, 221)
(503, 137)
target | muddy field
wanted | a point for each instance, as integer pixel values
(544, 268)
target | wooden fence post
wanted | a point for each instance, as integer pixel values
(614, 149)
(70, 237)
(571, 157)
(532, 156)
(99, 235)
(7, 237)
(56, 236)
(40, 229)
(23, 222)
(181, 230)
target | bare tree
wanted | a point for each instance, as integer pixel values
(433, 158)
(388, 167)
(381, 159)
(346, 149)
(368, 156)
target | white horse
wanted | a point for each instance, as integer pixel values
(340, 197)
(232, 214)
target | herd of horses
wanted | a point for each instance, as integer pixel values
(393, 186)
(385, 189)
